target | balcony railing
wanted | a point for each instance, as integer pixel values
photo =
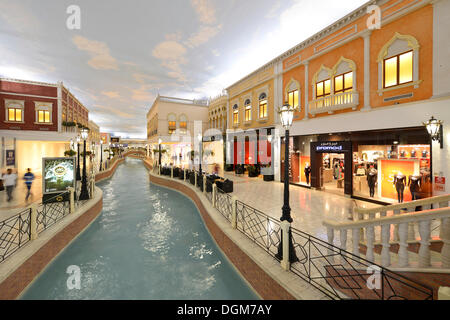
(334, 102)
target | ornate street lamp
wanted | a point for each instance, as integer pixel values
(84, 194)
(286, 116)
(200, 140)
(78, 163)
(436, 130)
(101, 155)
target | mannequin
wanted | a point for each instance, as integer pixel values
(400, 182)
(372, 176)
(424, 153)
(307, 172)
(414, 184)
(413, 154)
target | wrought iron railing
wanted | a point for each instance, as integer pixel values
(258, 227)
(51, 211)
(342, 275)
(224, 203)
(337, 273)
(14, 233)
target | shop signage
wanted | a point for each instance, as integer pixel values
(330, 147)
(439, 184)
(115, 140)
(58, 174)
(10, 157)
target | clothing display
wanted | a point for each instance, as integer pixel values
(400, 182)
(413, 154)
(414, 184)
(307, 172)
(372, 177)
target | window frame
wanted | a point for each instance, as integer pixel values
(397, 56)
(344, 89)
(44, 107)
(323, 88)
(248, 110)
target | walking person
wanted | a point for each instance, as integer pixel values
(28, 177)
(9, 180)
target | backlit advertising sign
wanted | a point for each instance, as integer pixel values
(58, 174)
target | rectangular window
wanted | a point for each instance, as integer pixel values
(293, 98)
(263, 109)
(235, 117)
(343, 82)
(398, 70)
(44, 116)
(14, 114)
(323, 88)
(248, 113)
(183, 125)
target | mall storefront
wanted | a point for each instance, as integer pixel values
(384, 166)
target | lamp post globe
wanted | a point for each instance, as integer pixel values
(84, 194)
(286, 113)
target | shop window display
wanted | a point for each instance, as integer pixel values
(392, 173)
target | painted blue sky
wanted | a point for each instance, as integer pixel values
(128, 51)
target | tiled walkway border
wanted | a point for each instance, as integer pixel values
(265, 278)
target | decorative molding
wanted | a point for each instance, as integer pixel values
(316, 75)
(412, 43)
(405, 85)
(355, 30)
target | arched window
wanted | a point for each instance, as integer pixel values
(183, 123)
(235, 114)
(398, 63)
(172, 120)
(263, 106)
(248, 110)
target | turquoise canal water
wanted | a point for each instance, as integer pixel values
(148, 243)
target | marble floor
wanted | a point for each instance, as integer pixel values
(309, 207)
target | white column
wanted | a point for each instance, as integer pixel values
(214, 191)
(355, 240)
(71, 200)
(370, 240)
(445, 236)
(403, 250)
(385, 253)
(285, 227)
(424, 250)
(366, 38)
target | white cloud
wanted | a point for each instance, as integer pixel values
(205, 11)
(205, 34)
(101, 59)
(172, 55)
(111, 94)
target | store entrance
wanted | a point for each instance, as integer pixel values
(333, 170)
(328, 166)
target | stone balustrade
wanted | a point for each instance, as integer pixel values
(402, 227)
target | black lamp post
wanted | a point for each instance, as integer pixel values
(200, 141)
(84, 194)
(78, 163)
(101, 155)
(286, 115)
(159, 153)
